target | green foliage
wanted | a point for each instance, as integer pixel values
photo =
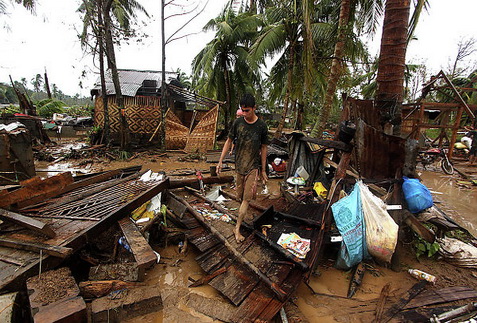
(122, 154)
(46, 108)
(80, 111)
(423, 247)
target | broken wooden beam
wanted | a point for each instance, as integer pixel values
(176, 183)
(57, 251)
(208, 278)
(404, 300)
(418, 227)
(140, 248)
(99, 288)
(54, 297)
(27, 222)
(381, 303)
(123, 306)
(273, 286)
(329, 143)
(36, 188)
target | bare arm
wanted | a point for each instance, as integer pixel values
(263, 157)
(225, 149)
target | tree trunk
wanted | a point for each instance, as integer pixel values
(227, 116)
(335, 71)
(291, 63)
(162, 127)
(47, 86)
(104, 97)
(114, 73)
(392, 63)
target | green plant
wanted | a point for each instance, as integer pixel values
(422, 247)
(123, 155)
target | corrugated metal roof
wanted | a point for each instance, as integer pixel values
(131, 81)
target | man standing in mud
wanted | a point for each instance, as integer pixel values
(250, 133)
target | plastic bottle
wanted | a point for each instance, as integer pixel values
(416, 273)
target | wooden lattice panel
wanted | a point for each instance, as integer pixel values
(176, 132)
(202, 137)
(143, 114)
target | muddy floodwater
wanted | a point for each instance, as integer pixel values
(459, 203)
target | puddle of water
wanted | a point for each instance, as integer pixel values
(49, 169)
(459, 203)
(175, 272)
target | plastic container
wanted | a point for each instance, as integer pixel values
(419, 274)
(301, 171)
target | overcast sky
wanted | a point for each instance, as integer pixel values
(29, 43)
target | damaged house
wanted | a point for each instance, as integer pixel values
(190, 121)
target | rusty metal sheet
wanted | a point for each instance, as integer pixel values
(370, 145)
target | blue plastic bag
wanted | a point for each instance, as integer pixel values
(348, 214)
(417, 195)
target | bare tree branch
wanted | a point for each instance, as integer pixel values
(186, 23)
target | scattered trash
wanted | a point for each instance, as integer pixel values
(320, 190)
(265, 227)
(151, 176)
(455, 314)
(457, 252)
(294, 244)
(419, 274)
(213, 214)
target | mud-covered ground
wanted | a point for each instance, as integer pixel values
(327, 302)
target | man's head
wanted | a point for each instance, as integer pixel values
(247, 101)
(247, 104)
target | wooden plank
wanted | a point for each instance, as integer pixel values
(207, 278)
(27, 222)
(37, 188)
(140, 248)
(404, 300)
(442, 295)
(275, 288)
(328, 143)
(253, 305)
(57, 251)
(381, 302)
(236, 283)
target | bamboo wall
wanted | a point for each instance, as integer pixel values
(143, 114)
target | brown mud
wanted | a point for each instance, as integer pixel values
(327, 302)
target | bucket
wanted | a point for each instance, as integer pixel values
(301, 171)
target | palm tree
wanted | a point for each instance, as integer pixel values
(281, 34)
(392, 60)
(223, 64)
(37, 82)
(105, 29)
(365, 15)
(28, 4)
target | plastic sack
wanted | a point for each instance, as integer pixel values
(381, 230)
(417, 195)
(349, 220)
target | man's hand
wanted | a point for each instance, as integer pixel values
(219, 168)
(264, 176)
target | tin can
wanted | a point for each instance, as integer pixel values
(419, 274)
